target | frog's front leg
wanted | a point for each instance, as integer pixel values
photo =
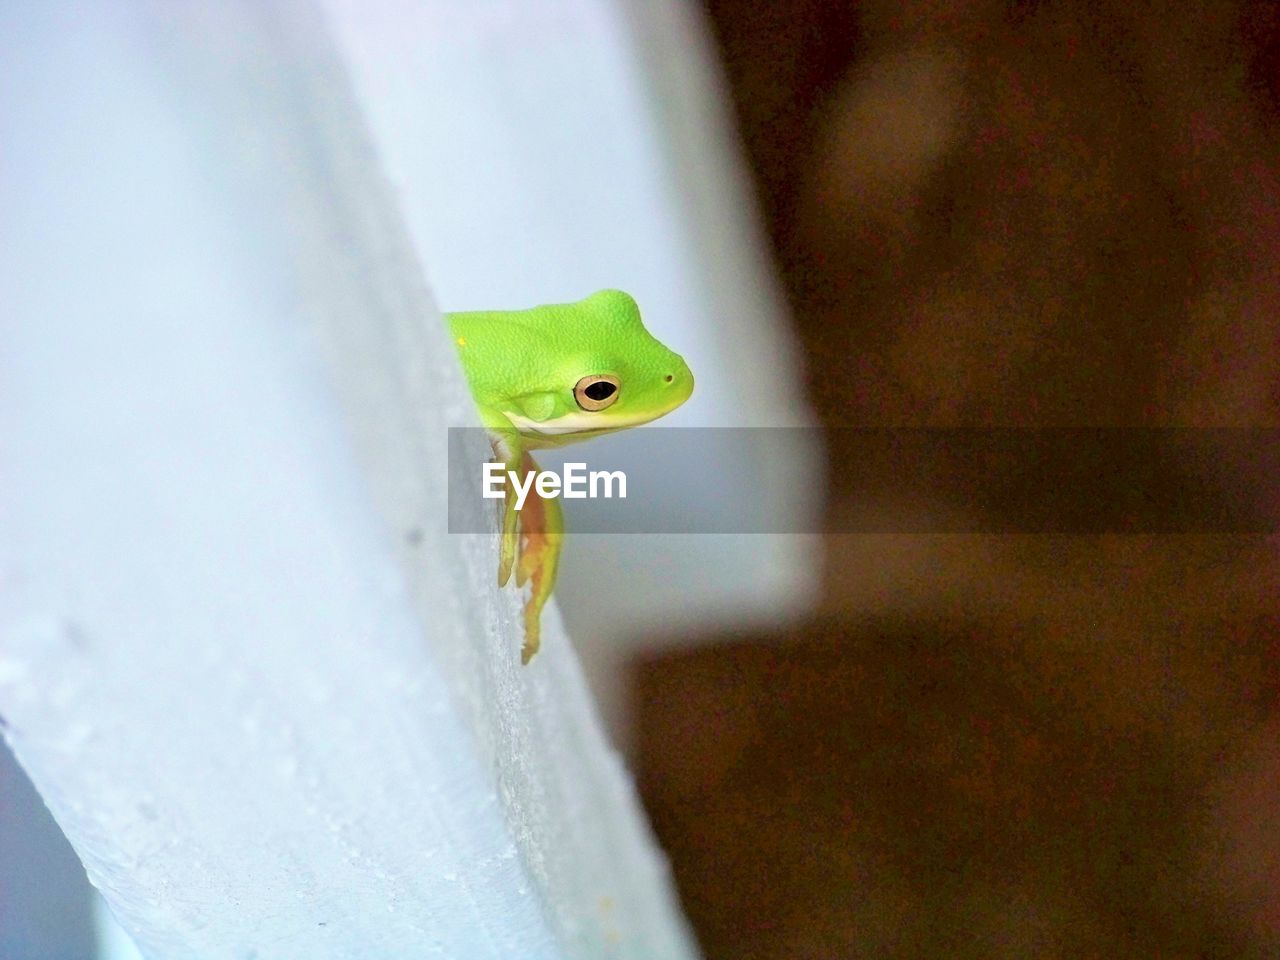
(507, 543)
(509, 455)
(541, 533)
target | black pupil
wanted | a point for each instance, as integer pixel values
(600, 390)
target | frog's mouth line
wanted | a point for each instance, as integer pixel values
(577, 426)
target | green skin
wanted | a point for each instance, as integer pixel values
(526, 370)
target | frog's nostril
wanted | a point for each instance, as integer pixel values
(670, 377)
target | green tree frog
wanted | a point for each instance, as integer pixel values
(550, 376)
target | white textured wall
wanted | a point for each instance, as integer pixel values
(277, 710)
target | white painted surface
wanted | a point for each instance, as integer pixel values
(277, 710)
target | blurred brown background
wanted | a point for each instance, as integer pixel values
(1012, 214)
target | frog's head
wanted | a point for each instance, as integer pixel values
(614, 373)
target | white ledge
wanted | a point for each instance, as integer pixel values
(276, 708)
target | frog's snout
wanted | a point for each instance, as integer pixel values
(679, 380)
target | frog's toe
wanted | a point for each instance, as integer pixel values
(506, 557)
(532, 634)
(508, 541)
(532, 554)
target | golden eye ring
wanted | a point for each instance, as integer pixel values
(597, 391)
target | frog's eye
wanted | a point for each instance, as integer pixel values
(597, 391)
